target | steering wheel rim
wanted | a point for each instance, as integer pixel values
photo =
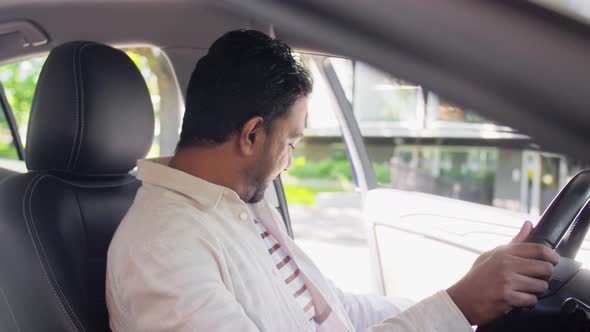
(562, 226)
(562, 217)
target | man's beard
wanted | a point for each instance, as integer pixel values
(258, 189)
(258, 177)
(258, 195)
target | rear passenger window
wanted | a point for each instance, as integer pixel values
(7, 146)
(166, 97)
(20, 81)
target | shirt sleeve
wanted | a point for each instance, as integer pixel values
(367, 310)
(437, 313)
(171, 288)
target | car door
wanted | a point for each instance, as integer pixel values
(425, 224)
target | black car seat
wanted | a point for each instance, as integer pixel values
(91, 119)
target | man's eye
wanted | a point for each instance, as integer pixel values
(292, 146)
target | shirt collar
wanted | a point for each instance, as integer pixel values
(157, 172)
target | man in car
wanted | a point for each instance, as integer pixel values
(201, 250)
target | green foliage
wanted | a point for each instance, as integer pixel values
(145, 60)
(382, 172)
(327, 169)
(334, 168)
(339, 154)
(19, 81)
(306, 195)
(8, 151)
(299, 195)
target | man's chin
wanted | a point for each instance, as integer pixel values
(256, 198)
(258, 195)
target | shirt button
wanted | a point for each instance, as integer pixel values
(244, 216)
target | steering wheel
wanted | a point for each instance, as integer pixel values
(565, 306)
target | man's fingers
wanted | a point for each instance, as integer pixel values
(521, 299)
(533, 268)
(534, 251)
(529, 285)
(524, 232)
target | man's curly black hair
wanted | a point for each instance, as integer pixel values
(245, 74)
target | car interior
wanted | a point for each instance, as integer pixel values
(92, 119)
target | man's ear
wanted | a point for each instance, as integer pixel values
(251, 134)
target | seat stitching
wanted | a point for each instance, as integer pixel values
(28, 189)
(10, 309)
(73, 313)
(40, 251)
(98, 186)
(86, 236)
(76, 105)
(81, 103)
(131, 180)
(74, 173)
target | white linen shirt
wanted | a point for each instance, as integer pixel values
(188, 257)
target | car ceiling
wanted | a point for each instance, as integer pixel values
(512, 61)
(162, 23)
(182, 28)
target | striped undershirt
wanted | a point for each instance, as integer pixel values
(288, 271)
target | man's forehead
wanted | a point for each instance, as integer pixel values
(298, 109)
(292, 127)
(293, 122)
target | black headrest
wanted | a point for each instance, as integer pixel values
(91, 115)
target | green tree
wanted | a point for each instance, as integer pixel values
(156, 70)
(19, 81)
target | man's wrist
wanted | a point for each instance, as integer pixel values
(456, 294)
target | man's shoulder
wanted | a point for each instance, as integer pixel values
(164, 207)
(159, 216)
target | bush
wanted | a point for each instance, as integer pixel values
(306, 195)
(8, 151)
(383, 173)
(327, 169)
(332, 169)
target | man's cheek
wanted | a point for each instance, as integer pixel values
(285, 162)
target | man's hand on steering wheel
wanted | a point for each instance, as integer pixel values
(508, 276)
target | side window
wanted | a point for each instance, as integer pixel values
(324, 205)
(7, 145)
(166, 98)
(20, 80)
(419, 141)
